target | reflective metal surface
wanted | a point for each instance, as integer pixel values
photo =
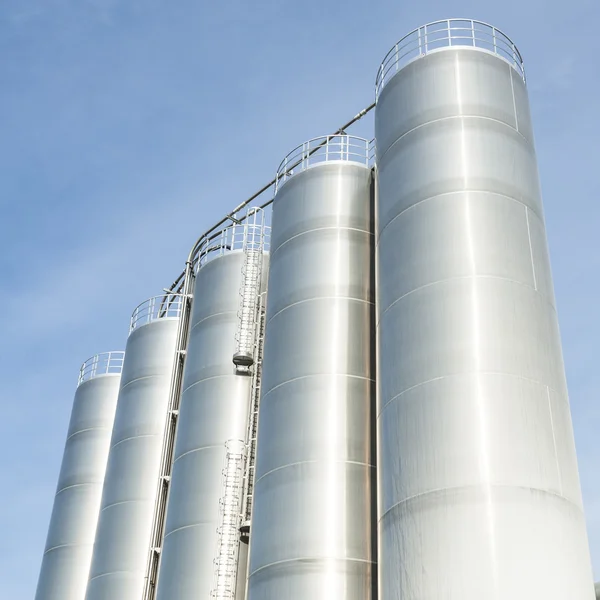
(479, 492)
(68, 553)
(312, 534)
(214, 409)
(122, 539)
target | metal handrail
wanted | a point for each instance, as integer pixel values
(105, 363)
(166, 306)
(448, 33)
(323, 149)
(250, 233)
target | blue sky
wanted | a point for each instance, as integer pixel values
(129, 126)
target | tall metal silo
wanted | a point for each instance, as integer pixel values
(68, 554)
(479, 493)
(123, 536)
(313, 533)
(201, 549)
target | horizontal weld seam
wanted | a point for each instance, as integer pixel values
(453, 193)
(450, 118)
(462, 374)
(66, 546)
(207, 379)
(74, 485)
(80, 431)
(133, 437)
(212, 316)
(200, 450)
(124, 502)
(199, 524)
(111, 573)
(470, 487)
(144, 377)
(459, 278)
(371, 379)
(319, 298)
(333, 227)
(304, 558)
(313, 462)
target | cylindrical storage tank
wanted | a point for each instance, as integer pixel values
(479, 493)
(201, 548)
(68, 553)
(125, 525)
(313, 530)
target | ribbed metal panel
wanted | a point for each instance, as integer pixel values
(214, 410)
(68, 554)
(123, 536)
(311, 531)
(479, 492)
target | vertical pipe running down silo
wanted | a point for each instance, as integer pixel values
(128, 498)
(68, 553)
(200, 556)
(479, 493)
(313, 509)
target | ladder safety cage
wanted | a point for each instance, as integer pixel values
(256, 237)
(448, 33)
(228, 539)
(252, 434)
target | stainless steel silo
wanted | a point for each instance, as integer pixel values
(68, 553)
(312, 534)
(201, 555)
(479, 493)
(123, 536)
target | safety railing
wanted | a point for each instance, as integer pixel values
(105, 363)
(325, 149)
(252, 233)
(449, 33)
(167, 306)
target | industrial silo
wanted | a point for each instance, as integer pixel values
(123, 536)
(68, 553)
(313, 532)
(201, 551)
(479, 493)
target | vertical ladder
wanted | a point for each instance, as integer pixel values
(226, 560)
(253, 246)
(166, 461)
(253, 422)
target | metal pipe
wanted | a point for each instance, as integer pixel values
(176, 285)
